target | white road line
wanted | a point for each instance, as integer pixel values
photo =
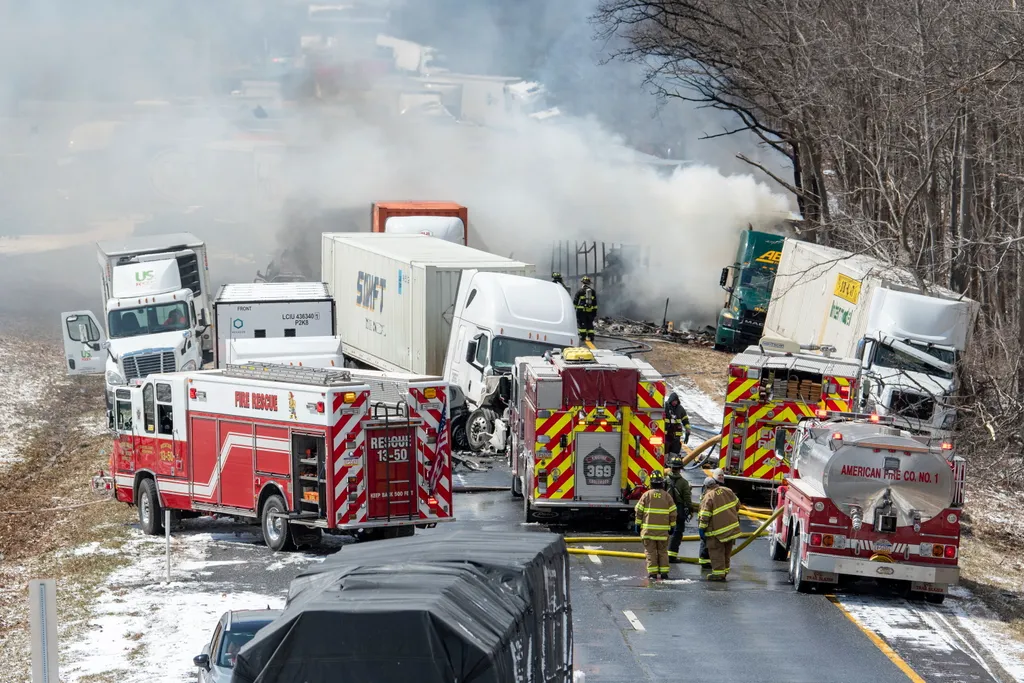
(593, 558)
(633, 620)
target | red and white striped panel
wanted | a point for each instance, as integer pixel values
(348, 450)
(431, 445)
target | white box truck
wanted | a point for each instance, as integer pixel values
(907, 341)
(400, 296)
(271, 310)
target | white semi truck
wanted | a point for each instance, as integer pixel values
(907, 341)
(419, 304)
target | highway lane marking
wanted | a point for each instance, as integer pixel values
(879, 643)
(593, 558)
(637, 626)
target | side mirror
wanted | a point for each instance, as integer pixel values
(725, 277)
(202, 317)
(780, 442)
(202, 661)
(471, 350)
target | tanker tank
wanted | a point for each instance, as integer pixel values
(879, 476)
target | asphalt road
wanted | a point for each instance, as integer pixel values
(754, 628)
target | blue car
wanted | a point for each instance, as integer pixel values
(233, 631)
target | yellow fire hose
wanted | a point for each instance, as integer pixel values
(750, 536)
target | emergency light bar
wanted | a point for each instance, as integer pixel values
(870, 417)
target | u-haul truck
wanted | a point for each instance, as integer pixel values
(300, 450)
(588, 428)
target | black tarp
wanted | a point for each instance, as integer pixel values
(463, 606)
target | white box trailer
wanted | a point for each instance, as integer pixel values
(271, 310)
(396, 295)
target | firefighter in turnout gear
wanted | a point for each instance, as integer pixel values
(655, 517)
(556, 277)
(586, 309)
(677, 423)
(681, 494)
(718, 524)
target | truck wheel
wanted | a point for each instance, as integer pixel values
(479, 428)
(528, 510)
(517, 486)
(796, 568)
(776, 550)
(935, 598)
(150, 513)
(276, 533)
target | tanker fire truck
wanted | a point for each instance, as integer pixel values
(869, 500)
(588, 428)
(300, 450)
(771, 388)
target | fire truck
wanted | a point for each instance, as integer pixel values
(771, 388)
(868, 500)
(587, 429)
(300, 450)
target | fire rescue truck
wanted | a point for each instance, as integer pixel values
(587, 429)
(869, 500)
(302, 450)
(771, 388)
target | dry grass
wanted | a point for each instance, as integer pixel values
(706, 367)
(58, 460)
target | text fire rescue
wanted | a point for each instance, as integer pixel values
(253, 401)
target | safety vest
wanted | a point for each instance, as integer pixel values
(719, 514)
(655, 513)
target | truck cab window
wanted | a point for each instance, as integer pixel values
(164, 410)
(75, 324)
(149, 409)
(482, 348)
(124, 416)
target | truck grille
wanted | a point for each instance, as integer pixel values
(145, 364)
(916, 406)
(752, 321)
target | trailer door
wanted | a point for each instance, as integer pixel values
(391, 478)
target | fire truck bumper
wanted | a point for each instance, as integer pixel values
(582, 504)
(918, 573)
(384, 523)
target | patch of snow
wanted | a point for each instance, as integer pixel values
(697, 402)
(898, 623)
(988, 629)
(24, 378)
(94, 425)
(94, 548)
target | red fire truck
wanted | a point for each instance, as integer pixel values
(587, 429)
(771, 388)
(301, 450)
(868, 500)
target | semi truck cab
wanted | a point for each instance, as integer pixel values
(741, 320)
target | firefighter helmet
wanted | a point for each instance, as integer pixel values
(657, 478)
(585, 280)
(556, 276)
(675, 463)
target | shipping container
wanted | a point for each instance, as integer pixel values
(395, 295)
(271, 310)
(447, 220)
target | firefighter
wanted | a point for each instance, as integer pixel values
(718, 523)
(679, 489)
(676, 422)
(586, 309)
(556, 277)
(655, 517)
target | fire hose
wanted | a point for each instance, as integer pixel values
(749, 536)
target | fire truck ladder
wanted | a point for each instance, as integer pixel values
(386, 412)
(276, 372)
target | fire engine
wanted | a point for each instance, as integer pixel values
(302, 450)
(588, 428)
(870, 500)
(771, 388)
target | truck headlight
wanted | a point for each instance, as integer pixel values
(114, 377)
(727, 315)
(189, 365)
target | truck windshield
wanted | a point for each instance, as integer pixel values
(505, 350)
(757, 278)
(134, 322)
(888, 357)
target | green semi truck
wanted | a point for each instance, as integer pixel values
(741, 322)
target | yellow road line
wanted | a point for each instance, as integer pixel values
(879, 643)
(590, 345)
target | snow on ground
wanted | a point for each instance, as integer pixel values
(987, 628)
(148, 630)
(25, 376)
(697, 402)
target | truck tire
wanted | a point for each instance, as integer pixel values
(776, 550)
(517, 486)
(276, 533)
(150, 513)
(796, 568)
(935, 598)
(479, 428)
